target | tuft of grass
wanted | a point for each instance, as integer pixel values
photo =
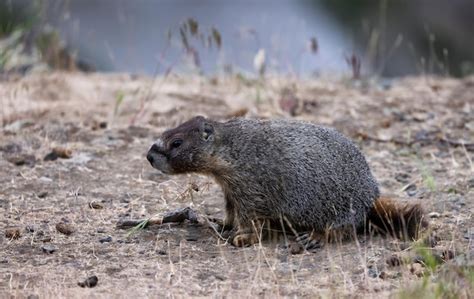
(453, 282)
(119, 96)
(428, 179)
(138, 227)
(431, 262)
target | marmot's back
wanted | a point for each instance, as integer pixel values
(312, 175)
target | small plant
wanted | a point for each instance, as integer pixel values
(191, 35)
(138, 227)
(119, 96)
(354, 62)
(428, 179)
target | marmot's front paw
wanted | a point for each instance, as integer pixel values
(245, 239)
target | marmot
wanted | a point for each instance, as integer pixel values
(310, 177)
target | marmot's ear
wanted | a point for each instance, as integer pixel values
(207, 132)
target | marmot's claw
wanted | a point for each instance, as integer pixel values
(244, 240)
(310, 241)
(301, 238)
(313, 244)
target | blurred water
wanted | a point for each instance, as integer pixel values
(389, 38)
(132, 35)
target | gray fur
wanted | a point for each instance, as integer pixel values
(311, 175)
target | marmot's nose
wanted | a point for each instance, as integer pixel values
(154, 149)
(152, 152)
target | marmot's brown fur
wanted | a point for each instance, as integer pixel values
(309, 177)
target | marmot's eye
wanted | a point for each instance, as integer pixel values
(176, 143)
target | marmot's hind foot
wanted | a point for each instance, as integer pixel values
(311, 240)
(244, 239)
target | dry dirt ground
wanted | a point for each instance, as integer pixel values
(417, 133)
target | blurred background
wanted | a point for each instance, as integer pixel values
(303, 38)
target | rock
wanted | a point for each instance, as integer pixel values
(63, 153)
(45, 239)
(469, 234)
(417, 269)
(447, 255)
(58, 152)
(50, 249)
(42, 194)
(106, 239)
(470, 183)
(434, 215)
(161, 252)
(12, 233)
(64, 228)
(402, 177)
(90, 282)
(98, 125)
(394, 261)
(22, 160)
(45, 179)
(296, 248)
(50, 157)
(372, 272)
(11, 148)
(30, 229)
(383, 275)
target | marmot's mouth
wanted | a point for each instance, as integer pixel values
(158, 161)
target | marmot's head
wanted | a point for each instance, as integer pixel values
(185, 148)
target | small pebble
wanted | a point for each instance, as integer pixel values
(394, 261)
(58, 152)
(296, 248)
(12, 233)
(48, 249)
(372, 272)
(42, 194)
(434, 215)
(30, 229)
(417, 269)
(64, 228)
(22, 159)
(63, 153)
(45, 239)
(90, 282)
(105, 239)
(447, 255)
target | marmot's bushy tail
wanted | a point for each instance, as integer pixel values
(401, 221)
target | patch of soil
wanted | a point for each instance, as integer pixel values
(417, 134)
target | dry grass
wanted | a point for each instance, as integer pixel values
(402, 130)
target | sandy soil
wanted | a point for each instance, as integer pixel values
(417, 133)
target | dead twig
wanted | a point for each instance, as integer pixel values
(177, 216)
